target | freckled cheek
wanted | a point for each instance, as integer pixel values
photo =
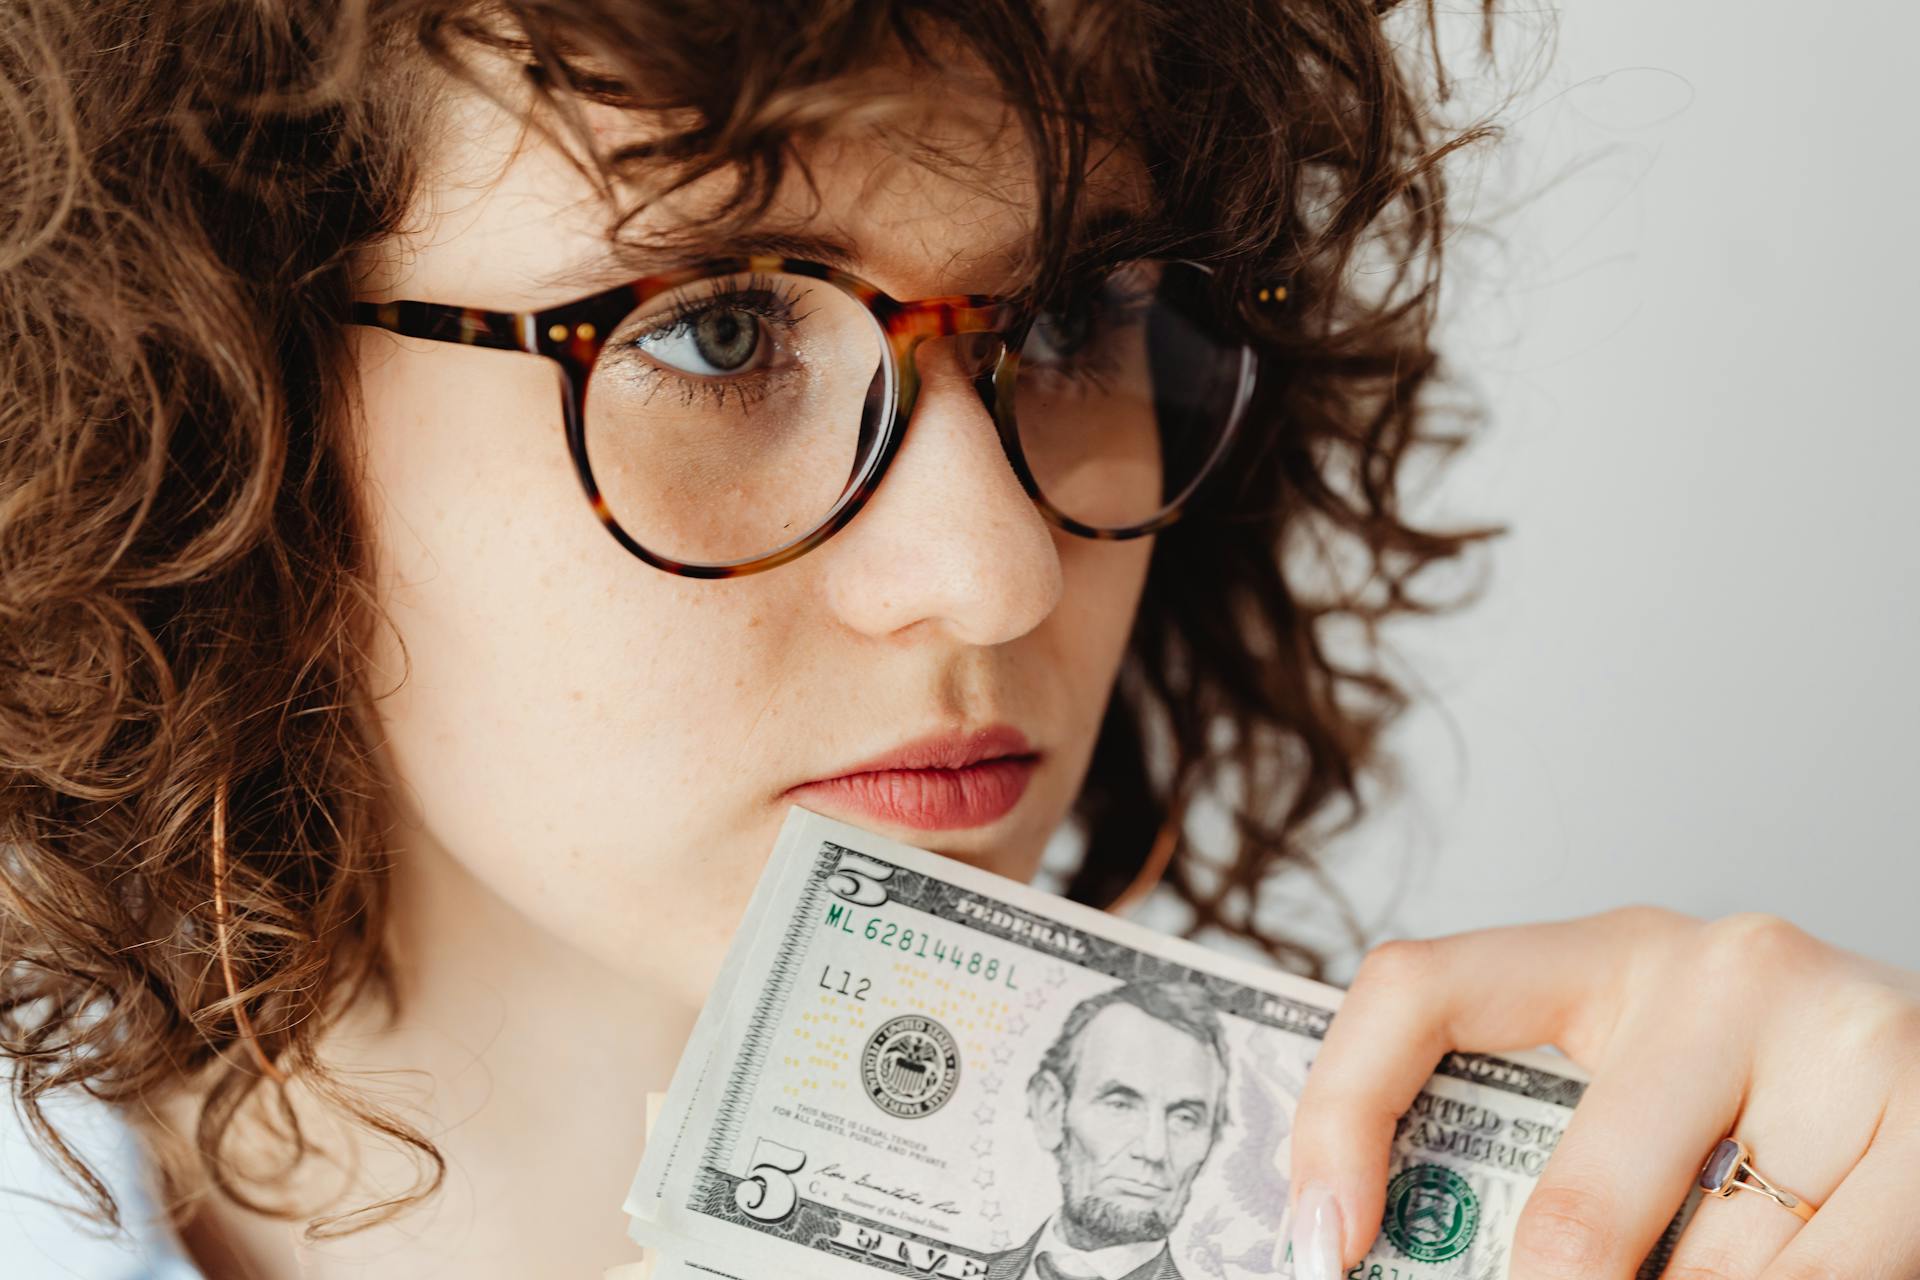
(625, 672)
(567, 737)
(549, 697)
(529, 634)
(1102, 586)
(1087, 632)
(684, 684)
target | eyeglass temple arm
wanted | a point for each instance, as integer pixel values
(440, 322)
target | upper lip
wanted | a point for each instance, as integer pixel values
(946, 749)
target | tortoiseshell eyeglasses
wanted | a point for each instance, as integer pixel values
(730, 416)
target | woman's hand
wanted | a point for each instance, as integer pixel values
(1691, 1031)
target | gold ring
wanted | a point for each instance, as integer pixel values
(1720, 1176)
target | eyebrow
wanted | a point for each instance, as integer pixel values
(621, 259)
(1111, 225)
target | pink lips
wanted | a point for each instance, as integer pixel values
(941, 782)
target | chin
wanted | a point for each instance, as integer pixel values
(1112, 1222)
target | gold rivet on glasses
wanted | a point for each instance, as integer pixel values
(585, 331)
(1265, 294)
(558, 332)
(1279, 293)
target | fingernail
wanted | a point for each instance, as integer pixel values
(1316, 1235)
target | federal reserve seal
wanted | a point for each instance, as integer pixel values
(910, 1067)
(1432, 1213)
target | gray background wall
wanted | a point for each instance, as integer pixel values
(1693, 315)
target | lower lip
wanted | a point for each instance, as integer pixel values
(927, 799)
(1138, 1190)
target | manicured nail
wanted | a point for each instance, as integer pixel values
(1316, 1235)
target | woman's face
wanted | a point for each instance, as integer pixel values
(610, 749)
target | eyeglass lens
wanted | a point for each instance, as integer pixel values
(726, 419)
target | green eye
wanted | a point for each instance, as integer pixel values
(714, 343)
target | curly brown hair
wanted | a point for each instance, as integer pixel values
(184, 596)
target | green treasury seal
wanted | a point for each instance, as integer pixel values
(1432, 1213)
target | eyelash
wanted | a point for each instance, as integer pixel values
(776, 302)
(773, 301)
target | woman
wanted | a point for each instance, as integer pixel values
(426, 588)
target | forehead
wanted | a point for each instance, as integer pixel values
(1126, 1045)
(932, 192)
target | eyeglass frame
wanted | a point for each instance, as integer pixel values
(573, 336)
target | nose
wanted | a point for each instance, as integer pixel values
(1152, 1146)
(949, 538)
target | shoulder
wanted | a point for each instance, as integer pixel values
(40, 1237)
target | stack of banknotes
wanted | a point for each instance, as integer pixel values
(912, 1067)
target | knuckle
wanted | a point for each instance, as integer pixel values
(1405, 964)
(1741, 951)
(1874, 1023)
(1565, 1231)
(1757, 932)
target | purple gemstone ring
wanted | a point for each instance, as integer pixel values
(1721, 1177)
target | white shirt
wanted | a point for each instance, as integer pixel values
(41, 1242)
(1110, 1263)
